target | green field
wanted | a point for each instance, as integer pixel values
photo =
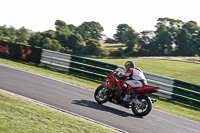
(19, 115)
(188, 72)
(161, 67)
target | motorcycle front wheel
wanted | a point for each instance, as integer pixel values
(145, 108)
(101, 94)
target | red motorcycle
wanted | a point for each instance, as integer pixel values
(114, 92)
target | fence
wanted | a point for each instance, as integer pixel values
(176, 90)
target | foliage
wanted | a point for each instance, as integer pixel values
(93, 47)
(147, 45)
(117, 53)
(130, 38)
(72, 28)
(75, 42)
(109, 40)
(35, 40)
(121, 28)
(171, 38)
(188, 42)
(51, 44)
(90, 30)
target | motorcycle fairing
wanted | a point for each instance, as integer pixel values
(146, 88)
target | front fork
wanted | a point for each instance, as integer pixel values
(103, 92)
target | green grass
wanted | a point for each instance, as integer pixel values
(19, 115)
(176, 108)
(145, 64)
(188, 72)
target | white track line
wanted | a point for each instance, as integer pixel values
(88, 90)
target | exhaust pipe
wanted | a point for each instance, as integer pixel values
(153, 100)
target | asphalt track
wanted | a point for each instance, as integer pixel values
(80, 101)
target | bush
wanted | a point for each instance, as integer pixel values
(109, 40)
(117, 53)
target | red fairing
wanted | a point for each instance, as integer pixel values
(113, 84)
(146, 88)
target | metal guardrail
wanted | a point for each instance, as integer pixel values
(176, 90)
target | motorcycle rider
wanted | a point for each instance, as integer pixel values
(136, 80)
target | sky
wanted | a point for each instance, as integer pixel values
(40, 15)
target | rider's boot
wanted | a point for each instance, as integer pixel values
(126, 97)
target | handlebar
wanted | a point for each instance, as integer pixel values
(115, 75)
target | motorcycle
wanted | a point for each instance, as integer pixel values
(114, 92)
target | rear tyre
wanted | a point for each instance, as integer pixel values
(145, 108)
(101, 94)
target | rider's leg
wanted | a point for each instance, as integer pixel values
(134, 84)
(129, 92)
(133, 94)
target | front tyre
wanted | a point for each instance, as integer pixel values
(145, 108)
(101, 94)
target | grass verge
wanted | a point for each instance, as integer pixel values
(19, 115)
(188, 72)
(162, 104)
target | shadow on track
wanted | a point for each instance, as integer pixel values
(94, 105)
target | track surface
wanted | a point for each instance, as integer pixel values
(81, 101)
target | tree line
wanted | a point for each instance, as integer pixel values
(171, 38)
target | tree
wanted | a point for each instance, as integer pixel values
(1, 32)
(93, 47)
(72, 28)
(147, 43)
(116, 52)
(61, 25)
(23, 36)
(49, 33)
(164, 40)
(130, 38)
(109, 40)
(197, 43)
(121, 28)
(167, 32)
(188, 39)
(12, 34)
(51, 44)
(8, 34)
(75, 42)
(62, 33)
(90, 30)
(62, 37)
(35, 40)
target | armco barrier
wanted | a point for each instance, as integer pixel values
(77, 65)
(173, 89)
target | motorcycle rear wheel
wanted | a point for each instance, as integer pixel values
(101, 95)
(145, 108)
